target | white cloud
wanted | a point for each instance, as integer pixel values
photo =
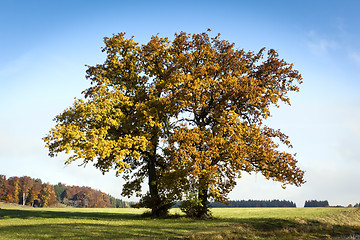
(321, 45)
(340, 40)
(354, 56)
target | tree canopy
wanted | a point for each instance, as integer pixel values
(188, 115)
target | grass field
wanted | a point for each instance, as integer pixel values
(229, 223)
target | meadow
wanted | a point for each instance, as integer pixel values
(18, 222)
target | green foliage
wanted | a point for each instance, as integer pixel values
(118, 203)
(159, 207)
(315, 203)
(59, 189)
(254, 203)
(193, 207)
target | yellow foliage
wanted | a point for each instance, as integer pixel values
(199, 99)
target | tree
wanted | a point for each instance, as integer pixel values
(188, 115)
(33, 198)
(25, 186)
(225, 95)
(122, 119)
(47, 195)
(3, 186)
(59, 189)
(13, 190)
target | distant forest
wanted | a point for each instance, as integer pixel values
(315, 203)
(248, 204)
(254, 203)
(33, 192)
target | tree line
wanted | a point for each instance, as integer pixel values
(315, 203)
(33, 192)
(87, 197)
(27, 191)
(254, 203)
(247, 204)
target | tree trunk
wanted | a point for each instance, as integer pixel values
(24, 199)
(153, 189)
(203, 211)
(158, 206)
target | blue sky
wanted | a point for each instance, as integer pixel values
(44, 46)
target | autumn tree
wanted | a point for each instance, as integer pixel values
(33, 197)
(187, 115)
(97, 199)
(13, 190)
(3, 186)
(25, 186)
(123, 117)
(225, 94)
(47, 195)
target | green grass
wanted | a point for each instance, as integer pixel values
(229, 223)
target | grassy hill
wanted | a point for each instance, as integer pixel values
(18, 222)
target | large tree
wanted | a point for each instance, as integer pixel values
(185, 114)
(124, 116)
(225, 95)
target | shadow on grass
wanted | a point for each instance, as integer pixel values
(84, 231)
(293, 228)
(86, 225)
(26, 214)
(132, 225)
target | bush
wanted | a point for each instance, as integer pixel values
(193, 207)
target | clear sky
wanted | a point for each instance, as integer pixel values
(44, 46)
